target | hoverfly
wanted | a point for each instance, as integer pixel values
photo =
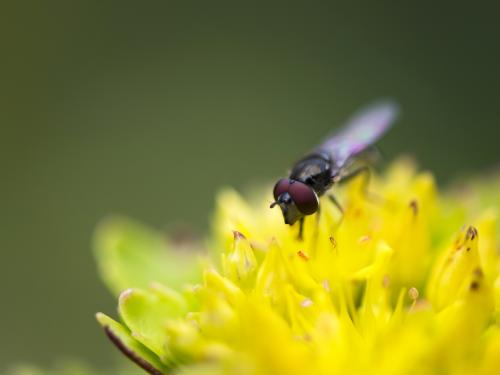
(333, 161)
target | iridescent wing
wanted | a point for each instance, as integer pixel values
(361, 131)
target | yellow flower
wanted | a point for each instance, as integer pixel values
(404, 282)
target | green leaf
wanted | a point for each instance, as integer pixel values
(147, 312)
(133, 349)
(129, 255)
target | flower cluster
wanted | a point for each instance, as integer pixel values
(406, 280)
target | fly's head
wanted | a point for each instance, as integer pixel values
(295, 199)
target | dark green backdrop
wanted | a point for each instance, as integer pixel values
(147, 108)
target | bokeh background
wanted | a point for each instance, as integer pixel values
(148, 108)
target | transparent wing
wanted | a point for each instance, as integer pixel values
(361, 131)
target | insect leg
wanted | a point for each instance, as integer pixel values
(336, 203)
(318, 215)
(301, 229)
(339, 207)
(365, 171)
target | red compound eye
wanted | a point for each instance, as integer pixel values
(281, 187)
(304, 197)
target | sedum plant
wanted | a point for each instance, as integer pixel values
(406, 283)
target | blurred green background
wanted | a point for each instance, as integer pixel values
(148, 108)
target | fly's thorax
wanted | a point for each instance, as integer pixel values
(314, 170)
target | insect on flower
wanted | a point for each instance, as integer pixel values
(339, 158)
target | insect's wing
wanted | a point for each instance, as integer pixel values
(360, 132)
